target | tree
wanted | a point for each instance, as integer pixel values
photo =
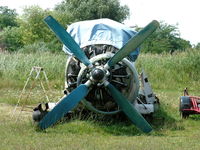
(33, 27)
(94, 9)
(7, 17)
(165, 39)
(35, 30)
(197, 46)
(11, 39)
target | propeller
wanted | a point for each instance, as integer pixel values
(133, 43)
(97, 75)
(67, 40)
(129, 109)
(66, 104)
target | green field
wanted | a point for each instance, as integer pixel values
(168, 75)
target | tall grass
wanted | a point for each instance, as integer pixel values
(15, 67)
(172, 72)
(165, 71)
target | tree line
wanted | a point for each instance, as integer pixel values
(28, 33)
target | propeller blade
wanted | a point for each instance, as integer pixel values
(67, 40)
(129, 110)
(66, 104)
(133, 43)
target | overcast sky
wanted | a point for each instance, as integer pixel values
(185, 13)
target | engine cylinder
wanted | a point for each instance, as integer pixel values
(123, 76)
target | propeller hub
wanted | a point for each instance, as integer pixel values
(97, 74)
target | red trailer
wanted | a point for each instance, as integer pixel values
(189, 105)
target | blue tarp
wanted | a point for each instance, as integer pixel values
(101, 31)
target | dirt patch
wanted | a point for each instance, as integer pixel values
(12, 112)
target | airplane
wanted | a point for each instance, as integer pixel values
(100, 71)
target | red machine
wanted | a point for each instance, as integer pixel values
(189, 105)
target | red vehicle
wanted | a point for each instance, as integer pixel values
(189, 105)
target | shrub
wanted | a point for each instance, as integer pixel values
(10, 39)
(41, 46)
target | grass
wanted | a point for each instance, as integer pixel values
(172, 71)
(167, 74)
(15, 68)
(176, 71)
(170, 131)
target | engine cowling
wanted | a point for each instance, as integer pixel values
(123, 76)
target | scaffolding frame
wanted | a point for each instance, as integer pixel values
(38, 71)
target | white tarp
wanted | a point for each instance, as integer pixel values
(101, 31)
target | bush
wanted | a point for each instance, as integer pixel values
(10, 39)
(41, 46)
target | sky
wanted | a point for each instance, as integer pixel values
(183, 13)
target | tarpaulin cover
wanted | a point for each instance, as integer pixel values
(100, 31)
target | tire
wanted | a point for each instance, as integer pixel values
(184, 104)
(184, 115)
